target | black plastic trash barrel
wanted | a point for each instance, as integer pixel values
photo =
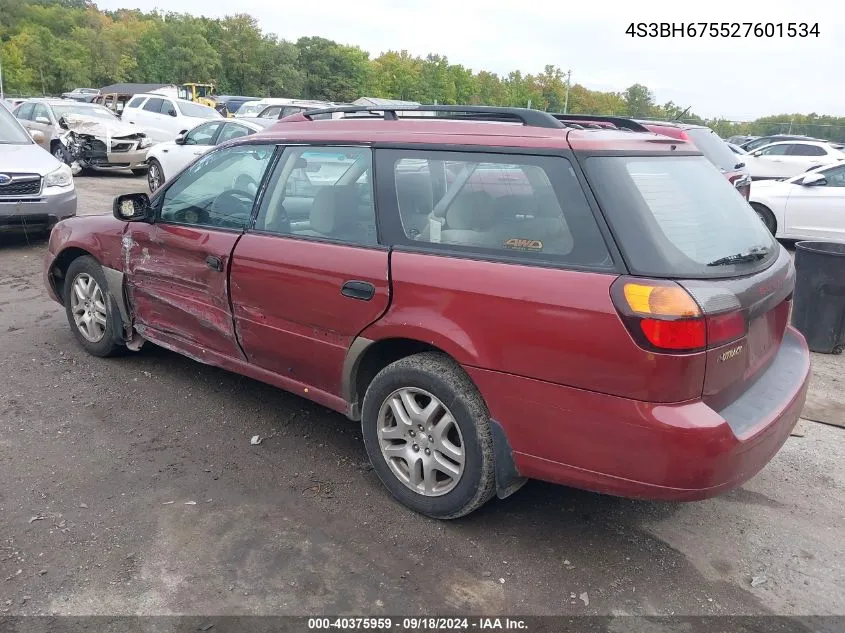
(818, 309)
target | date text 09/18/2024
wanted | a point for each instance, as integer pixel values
(723, 29)
(418, 624)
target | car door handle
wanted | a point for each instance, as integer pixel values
(214, 263)
(362, 290)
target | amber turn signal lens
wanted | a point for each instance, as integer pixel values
(659, 300)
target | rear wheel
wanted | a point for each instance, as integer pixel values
(87, 307)
(766, 216)
(155, 175)
(426, 430)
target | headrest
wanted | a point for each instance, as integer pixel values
(334, 207)
(471, 211)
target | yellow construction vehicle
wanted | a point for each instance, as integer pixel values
(203, 94)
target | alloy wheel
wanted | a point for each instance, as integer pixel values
(421, 442)
(88, 307)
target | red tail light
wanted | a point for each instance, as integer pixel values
(663, 316)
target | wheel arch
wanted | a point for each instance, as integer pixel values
(366, 358)
(767, 209)
(114, 281)
(61, 263)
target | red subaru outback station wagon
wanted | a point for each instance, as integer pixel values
(494, 294)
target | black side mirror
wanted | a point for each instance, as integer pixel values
(62, 123)
(172, 113)
(132, 207)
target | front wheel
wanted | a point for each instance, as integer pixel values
(87, 307)
(155, 175)
(766, 216)
(427, 434)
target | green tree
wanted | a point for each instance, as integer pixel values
(331, 72)
(639, 101)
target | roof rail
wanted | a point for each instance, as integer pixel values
(531, 118)
(620, 122)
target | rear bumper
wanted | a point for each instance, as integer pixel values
(682, 451)
(36, 214)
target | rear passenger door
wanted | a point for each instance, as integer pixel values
(304, 286)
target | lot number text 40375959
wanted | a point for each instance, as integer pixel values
(723, 29)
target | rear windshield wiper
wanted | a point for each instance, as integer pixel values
(753, 254)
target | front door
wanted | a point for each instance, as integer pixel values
(304, 285)
(818, 211)
(176, 267)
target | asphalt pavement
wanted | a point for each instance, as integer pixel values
(129, 486)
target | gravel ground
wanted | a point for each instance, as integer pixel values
(131, 487)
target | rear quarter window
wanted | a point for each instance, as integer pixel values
(136, 102)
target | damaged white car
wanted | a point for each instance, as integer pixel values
(86, 135)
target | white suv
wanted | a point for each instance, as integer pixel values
(164, 118)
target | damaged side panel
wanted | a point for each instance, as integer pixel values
(174, 290)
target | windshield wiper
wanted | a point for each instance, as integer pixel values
(753, 254)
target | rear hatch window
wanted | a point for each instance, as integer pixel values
(678, 217)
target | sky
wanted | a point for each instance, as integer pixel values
(736, 78)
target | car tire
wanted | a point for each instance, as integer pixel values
(766, 216)
(155, 174)
(139, 172)
(439, 461)
(88, 307)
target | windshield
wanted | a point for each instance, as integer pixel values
(96, 111)
(714, 148)
(674, 216)
(12, 132)
(198, 111)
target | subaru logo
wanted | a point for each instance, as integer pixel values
(5, 179)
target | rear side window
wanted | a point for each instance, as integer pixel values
(153, 105)
(526, 207)
(675, 216)
(802, 149)
(24, 112)
(136, 102)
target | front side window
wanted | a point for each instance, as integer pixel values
(835, 177)
(153, 105)
(233, 130)
(219, 190)
(526, 207)
(168, 108)
(202, 135)
(322, 192)
(40, 112)
(775, 150)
